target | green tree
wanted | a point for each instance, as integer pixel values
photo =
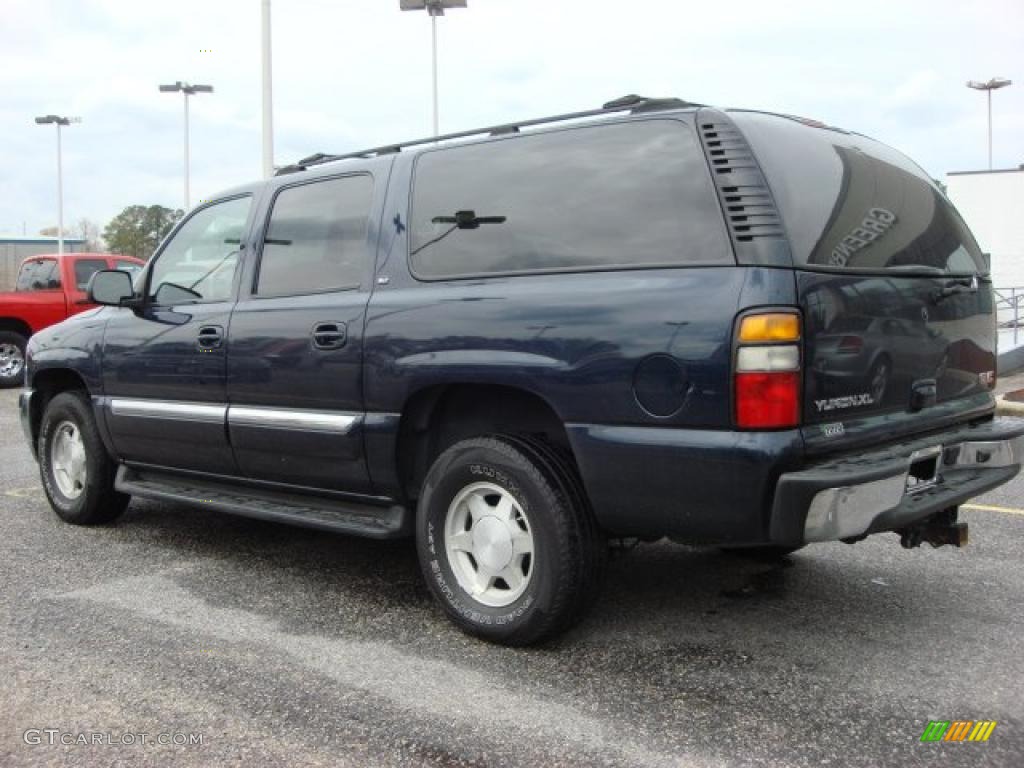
(138, 229)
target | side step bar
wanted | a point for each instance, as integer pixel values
(373, 521)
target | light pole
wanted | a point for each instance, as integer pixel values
(268, 102)
(59, 121)
(435, 8)
(992, 85)
(188, 90)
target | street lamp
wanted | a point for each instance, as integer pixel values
(435, 8)
(992, 85)
(59, 121)
(188, 90)
(268, 97)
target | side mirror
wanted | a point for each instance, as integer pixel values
(110, 287)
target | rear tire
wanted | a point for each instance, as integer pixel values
(506, 540)
(12, 359)
(77, 472)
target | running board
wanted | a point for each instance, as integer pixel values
(342, 516)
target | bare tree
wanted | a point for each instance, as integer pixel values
(89, 231)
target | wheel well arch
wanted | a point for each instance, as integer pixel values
(436, 417)
(47, 384)
(15, 325)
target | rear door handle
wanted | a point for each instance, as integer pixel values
(210, 337)
(329, 335)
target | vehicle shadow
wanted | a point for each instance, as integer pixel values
(314, 582)
(684, 631)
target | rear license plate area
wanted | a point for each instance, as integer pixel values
(924, 469)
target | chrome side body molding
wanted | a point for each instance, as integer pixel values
(334, 422)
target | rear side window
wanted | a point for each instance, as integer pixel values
(39, 275)
(85, 269)
(595, 197)
(316, 237)
(852, 203)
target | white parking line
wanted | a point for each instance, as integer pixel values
(990, 508)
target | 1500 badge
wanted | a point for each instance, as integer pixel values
(839, 403)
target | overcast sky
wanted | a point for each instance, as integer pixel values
(356, 73)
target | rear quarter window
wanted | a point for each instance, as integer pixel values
(631, 194)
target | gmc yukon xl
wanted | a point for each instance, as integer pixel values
(732, 328)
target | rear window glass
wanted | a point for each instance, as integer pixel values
(39, 275)
(594, 197)
(849, 202)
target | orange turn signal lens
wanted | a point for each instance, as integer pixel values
(774, 326)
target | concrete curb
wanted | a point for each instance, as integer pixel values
(1007, 408)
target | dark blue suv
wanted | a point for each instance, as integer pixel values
(732, 328)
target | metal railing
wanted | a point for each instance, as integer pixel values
(1009, 305)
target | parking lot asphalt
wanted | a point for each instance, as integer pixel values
(281, 646)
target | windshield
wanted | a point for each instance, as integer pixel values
(852, 203)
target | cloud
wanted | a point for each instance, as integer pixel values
(356, 73)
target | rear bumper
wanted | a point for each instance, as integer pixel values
(748, 488)
(854, 495)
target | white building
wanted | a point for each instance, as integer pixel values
(992, 203)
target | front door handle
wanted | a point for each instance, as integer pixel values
(210, 337)
(329, 335)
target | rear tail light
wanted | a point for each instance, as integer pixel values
(766, 378)
(850, 345)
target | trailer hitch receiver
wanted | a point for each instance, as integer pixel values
(939, 530)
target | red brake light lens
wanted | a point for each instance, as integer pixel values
(850, 345)
(767, 400)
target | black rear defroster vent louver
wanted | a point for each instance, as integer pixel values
(750, 213)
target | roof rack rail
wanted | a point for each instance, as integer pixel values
(631, 103)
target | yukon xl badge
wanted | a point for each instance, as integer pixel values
(839, 403)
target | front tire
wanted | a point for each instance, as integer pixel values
(12, 359)
(506, 540)
(77, 472)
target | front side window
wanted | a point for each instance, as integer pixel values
(85, 269)
(199, 262)
(595, 197)
(316, 238)
(39, 275)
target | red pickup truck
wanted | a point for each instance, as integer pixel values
(49, 289)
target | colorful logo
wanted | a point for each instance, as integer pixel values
(958, 730)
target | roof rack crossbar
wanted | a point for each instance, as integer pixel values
(631, 103)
